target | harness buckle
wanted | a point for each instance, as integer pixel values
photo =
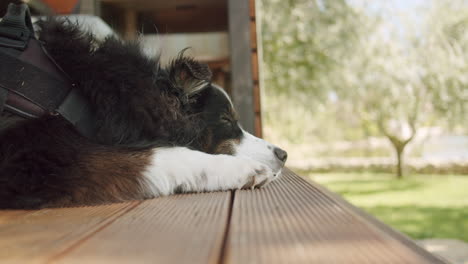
(16, 27)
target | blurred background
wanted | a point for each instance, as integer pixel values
(370, 98)
(370, 81)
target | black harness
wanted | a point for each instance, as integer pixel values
(32, 84)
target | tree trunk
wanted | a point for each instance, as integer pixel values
(399, 147)
(399, 152)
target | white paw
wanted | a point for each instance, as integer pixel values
(247, 173)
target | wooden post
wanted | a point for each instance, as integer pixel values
(241, 62)
(256, 58)
(130, 27)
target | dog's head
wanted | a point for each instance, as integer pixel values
(221, 133)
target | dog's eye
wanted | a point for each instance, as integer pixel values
(226, 120)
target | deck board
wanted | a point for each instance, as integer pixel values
(294, 221)
(37, 236)
(288, 221)
(7, 216)
(176, 229)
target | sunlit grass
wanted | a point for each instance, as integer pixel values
(423, 206)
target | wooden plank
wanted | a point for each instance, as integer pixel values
(258, 125)
(252, 8)
(258, 107)
(256, 95)
(146, 5)
(169, 16)
(169, 20)
(241, 62)
(255, 76)
(294, 221)
(253, 34)
(37, 236)
(255, 71)
(130, 26)
(258, 111)
(176, 229)
(7, 216)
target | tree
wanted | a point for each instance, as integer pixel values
(381, 84)
(392, 81)
(444, 53)
(401, 81)
(301, 39)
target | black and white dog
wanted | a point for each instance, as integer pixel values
(161, 130)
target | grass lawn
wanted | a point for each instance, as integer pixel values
(421, 206)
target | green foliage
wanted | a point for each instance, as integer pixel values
(301, 40)
(348, 72)
(444, 54)
(423, 206)
(288, 118)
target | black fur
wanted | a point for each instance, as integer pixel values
(134, 98)
(138, 104)
(31, 162)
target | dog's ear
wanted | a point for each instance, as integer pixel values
(189, 75)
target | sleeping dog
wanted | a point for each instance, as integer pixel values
(159, 131)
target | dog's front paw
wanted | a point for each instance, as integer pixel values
(250, 173)
(258, 176)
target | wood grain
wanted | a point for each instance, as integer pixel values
(176, 229)
(293, 221)
(37, 236)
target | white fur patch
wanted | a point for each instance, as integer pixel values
(185, 170)
(259, 150)
(181, 169)
(254, 147)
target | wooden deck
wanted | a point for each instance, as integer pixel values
(289, 221)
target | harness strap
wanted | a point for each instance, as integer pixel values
(16, 27)
(21, 106)
(3, 98)
(76, 110)
(31, 92)
(31, 83)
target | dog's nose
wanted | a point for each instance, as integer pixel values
(281, 154)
